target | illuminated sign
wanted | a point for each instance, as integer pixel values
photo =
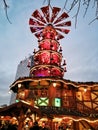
(57, 102)
(42, 101)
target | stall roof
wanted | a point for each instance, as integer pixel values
(16, 108)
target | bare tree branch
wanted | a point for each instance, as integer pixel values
(48, 1)
(6, 7)
(76, 15)
(96, 13)
(87, 3)
(97, 8)
(93, 20)
(73, 4)
(44, 1)
(77, 4)
(65, 5)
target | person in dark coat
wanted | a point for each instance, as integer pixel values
(35, 127)
(12, 127)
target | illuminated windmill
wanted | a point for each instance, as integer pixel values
(45, 88)
(49, 26)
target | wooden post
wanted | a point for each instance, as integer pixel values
(21, 119)
(75, 125)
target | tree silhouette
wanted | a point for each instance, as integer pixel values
(69, 6)
(6, 8)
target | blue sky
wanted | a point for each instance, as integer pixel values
(80, 46)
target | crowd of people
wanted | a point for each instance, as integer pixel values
(7, 125)
(37, 127)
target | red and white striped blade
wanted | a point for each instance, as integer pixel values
(35, 22)
(68, 23)
(36, 29)
(55, 12)
(46, 13)
(65, 31)
(37, 15)
(61, 18)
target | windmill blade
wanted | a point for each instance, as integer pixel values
(59, 36)
(61, 18)
(46, 13)
(55, 12)
(36, 29)
(65, 31)
(68, 23)
(35, 22)
(37, 15)
(45, 16)
(38, 34)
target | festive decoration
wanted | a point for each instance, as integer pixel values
(48, 29)
(67, 103)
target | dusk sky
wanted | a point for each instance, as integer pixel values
(80, 46)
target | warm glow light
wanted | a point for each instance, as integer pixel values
(57, 119)
(43, 119)
(54, 84)
(76, 85)
(81, 119)
(72, 119)
(19, 85)
(2, 116)
(85, 89)
(14, 118)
